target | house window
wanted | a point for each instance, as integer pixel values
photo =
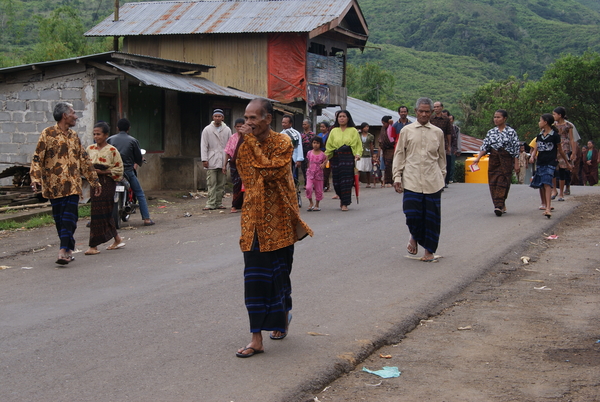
(146, 114)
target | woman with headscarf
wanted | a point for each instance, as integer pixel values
(343, 148)
(503, 145)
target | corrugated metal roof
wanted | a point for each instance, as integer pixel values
(470, 145)
(180, 83)
(361, 111)
(183, 17)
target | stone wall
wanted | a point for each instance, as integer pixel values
(26, 110)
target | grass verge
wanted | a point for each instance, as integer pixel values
(41, 220)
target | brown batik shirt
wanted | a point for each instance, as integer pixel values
(59, 162)
(270, 208)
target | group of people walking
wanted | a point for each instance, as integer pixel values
(60, 161)
(554, 151)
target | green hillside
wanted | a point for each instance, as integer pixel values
(520, 36)
(440, 76)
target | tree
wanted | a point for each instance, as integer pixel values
(371, 83)
(572, 82)
(61, 37)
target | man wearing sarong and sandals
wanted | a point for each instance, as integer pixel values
(419, 169)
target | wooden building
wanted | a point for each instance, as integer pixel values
(292, 51)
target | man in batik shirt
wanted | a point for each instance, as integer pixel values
(58, 163)
(271, 225)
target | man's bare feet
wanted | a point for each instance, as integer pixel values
(92, 251)
(255, 346)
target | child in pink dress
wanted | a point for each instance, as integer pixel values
(314, 173)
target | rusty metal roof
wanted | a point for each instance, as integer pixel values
(361, 111)
(180, 83)
(202, 17)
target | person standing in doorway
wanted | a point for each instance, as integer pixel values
(212, 151)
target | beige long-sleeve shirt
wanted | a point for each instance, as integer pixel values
(420, 158)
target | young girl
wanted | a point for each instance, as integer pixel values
(376, 172)
(316, 160)
(545, 150)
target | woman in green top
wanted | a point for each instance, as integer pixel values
(365, 164)
(343, 148)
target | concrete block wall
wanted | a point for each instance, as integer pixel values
(26, 110)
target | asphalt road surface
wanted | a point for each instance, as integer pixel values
(161, 319)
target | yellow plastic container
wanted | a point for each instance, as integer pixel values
(480, 176)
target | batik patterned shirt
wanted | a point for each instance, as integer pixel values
(506, 139)
(270, 210)
(59, 162)
(109, 157)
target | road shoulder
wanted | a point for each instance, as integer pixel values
(526, 332)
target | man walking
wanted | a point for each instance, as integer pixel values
(287, 124)
(212, 151)
(271, 225)
(58, 163)
(439, 120)
(403, 121)
(419, 168)
(387, 142)
(131, 153)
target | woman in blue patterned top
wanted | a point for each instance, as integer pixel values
(502, 143)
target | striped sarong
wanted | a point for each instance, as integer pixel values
(342, 169)
(423, 217)
(267, 287)
(65, 213)
(102, 224)
(500, 168)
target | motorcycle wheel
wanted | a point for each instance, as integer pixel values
(124, 216)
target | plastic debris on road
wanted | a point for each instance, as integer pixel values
(187, 215)
(385, 356)
(542, 288)
(525, 260)
(552, 237)
(385, 372)
(316, 334)
(4, 267)
(467, 328)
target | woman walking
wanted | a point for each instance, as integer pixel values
(503, 145)
(565, 131)
(590, 165)
(365, 164)
(343, 148)
(546, 149)
(109, 167)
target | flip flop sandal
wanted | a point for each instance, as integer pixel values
(62, 261)
(118, 246)
(408, 249)
(208, 209)
(316, 209)
(283, 334)
(244, 355)
(93, 252)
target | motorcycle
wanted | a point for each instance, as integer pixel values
(125, 201)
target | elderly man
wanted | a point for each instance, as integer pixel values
(58, 163)
(419, 168)
(212, 151)
(271, 225)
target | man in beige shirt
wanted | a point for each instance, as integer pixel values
(419, 169)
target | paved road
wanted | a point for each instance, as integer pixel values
(161, 319)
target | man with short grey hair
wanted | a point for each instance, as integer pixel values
(58, 163)
(419, 168)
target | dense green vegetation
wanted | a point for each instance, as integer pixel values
(572, 82)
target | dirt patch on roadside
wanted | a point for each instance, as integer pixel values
(522, 332)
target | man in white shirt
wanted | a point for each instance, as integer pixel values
(212, 151)
(419, 169)
(287, 123)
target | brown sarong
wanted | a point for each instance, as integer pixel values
(500, 169)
